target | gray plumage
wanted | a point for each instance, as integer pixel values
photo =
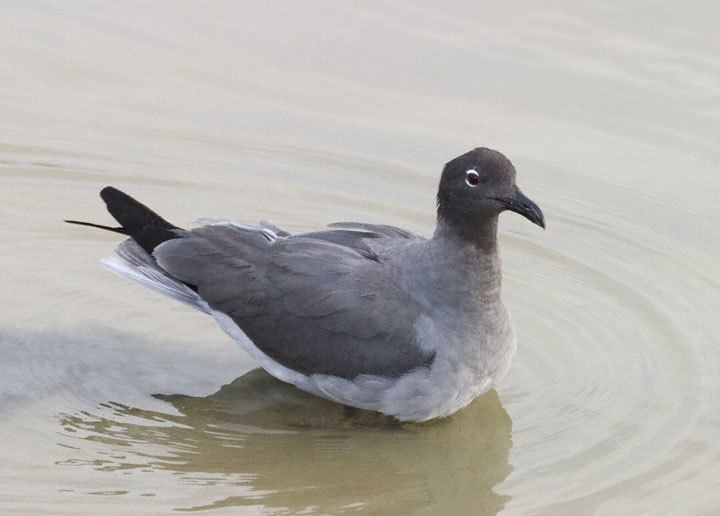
(329, 291)
(369, 315)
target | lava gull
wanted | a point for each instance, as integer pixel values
(368, 315)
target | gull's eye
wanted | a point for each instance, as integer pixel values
(472, 178)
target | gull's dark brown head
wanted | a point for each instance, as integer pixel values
(479, 185)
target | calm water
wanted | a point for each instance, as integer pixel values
(315, 113)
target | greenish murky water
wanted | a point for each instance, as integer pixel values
(116, 400)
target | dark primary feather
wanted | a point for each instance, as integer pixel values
(120, 229)
(140, 222)
(136, 220)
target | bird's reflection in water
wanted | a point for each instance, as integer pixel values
(291, 450)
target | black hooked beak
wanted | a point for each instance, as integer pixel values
(519, 203)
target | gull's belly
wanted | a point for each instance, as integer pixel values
(462, 370)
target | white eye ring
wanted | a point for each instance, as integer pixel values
(472, 178)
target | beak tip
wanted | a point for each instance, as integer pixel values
(519, 203)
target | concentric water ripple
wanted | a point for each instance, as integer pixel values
(605, 379)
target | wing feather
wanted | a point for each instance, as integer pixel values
(310, 303)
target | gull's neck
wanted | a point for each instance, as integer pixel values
(458, 270)
(480, 238)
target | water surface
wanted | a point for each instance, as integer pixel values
(115, 399)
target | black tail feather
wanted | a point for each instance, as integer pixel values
(136, 220)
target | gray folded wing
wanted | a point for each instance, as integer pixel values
(381, 230)
(319, 303)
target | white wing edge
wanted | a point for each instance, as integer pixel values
(133, 263)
